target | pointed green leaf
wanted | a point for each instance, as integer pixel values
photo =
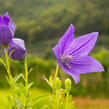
(47, 81)
(30, 70)
(17, 77)
(30, 85)
(41, 99)
(23, 77)
(19, 103)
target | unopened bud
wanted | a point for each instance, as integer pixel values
(57, 83)
(68, 85)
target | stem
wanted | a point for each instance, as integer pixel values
(54, 93)
(10, 76)
(8, 66)
(57, 69)
(26, 83)
(67, 97)
(26, 75)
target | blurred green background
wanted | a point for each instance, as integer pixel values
(42, 22)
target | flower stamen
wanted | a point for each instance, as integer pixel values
(65, 60)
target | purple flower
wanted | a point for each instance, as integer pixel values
(16, 49)
(7, 29)
(72, 54)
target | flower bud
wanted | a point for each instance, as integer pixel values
(68, 85)
(7, 29)
(16, 49)
(57, 83)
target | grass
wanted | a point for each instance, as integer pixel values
(80, 102)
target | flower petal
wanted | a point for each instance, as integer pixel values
(71, 71)
(86, 64)
(6, 18)
(56, 51)
(5, 35)
(18, 48)
(83, 45)
(19, 42)
(9, 22)
(66, 39)
(12, 27)
(0, 20)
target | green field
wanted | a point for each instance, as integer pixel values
(80, 102)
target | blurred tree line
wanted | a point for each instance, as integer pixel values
(47, 19)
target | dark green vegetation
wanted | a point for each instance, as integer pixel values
(42, 22)
(47, 19)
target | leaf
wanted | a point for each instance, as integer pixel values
(23, 77)
(47, 81)
(41, 98)
(29, 85)
(17, 92)
(30, 70)
(1, 60)
(17, 77)
(19, 103)
(22, 89)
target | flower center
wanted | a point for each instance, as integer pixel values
(65, 60)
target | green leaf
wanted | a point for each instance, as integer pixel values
(30, 70)
(17, 92)
(19, 103)
(29, 85)
(40, 96)
(22, 89)
(17, 77)
(40, 99)
(23, 77)
(47, 81)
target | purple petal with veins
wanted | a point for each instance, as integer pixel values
(72, 54)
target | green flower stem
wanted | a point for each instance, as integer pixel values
(26, 83)
(26, 75)
(53, 88)
(67, 98)
(10, 76)
(57, 69)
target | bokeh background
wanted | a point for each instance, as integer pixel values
(41, 23)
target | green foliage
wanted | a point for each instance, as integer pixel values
(46, 19)
(59, 98)
(95, 84)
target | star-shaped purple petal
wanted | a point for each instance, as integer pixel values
(72, 54)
